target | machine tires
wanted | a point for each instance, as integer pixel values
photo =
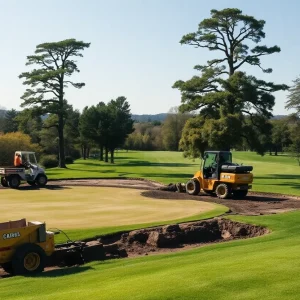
(223, 191)
(7, 267)
(4, 182)
(41, 180)
(32, 183)
(208, 192)
(240, 194)
(28, 259)
(193, 187)
(14, 181)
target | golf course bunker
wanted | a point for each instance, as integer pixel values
(169, 238)
(80, 207)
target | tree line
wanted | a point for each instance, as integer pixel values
(96, 132)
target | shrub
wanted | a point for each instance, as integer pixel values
(69, 160)
(15, 141)
(75, 154)
(49, 161)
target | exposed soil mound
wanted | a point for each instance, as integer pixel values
(173, 237)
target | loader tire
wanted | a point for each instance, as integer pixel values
(41, 180)
(223, 191)
(14, 181)
(7, 267)
(28, 259)
(4, 182)
(193, 187)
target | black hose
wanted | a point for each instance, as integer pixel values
(68, 239)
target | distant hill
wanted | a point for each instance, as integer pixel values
(163, 116)
(149, 118)
(142, 118)
(278, 117)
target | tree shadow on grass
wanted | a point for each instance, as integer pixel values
(95, 171)
(144, 163)
(264, 199)
(62, 272)
(37, 188)
(283, 177)
(279, 176)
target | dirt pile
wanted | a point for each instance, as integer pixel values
(172, 237)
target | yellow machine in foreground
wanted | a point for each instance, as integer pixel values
(220, 176)
(24, 247)
(29, 247)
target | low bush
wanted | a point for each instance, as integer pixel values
(69, 160)
(49, 161)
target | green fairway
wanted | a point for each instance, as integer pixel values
(266, 267)
(277, 174)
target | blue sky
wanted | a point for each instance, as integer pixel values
(135, 50)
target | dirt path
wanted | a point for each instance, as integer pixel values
(254, 204)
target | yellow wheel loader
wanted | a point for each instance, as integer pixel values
(218, 175)
(27, 248)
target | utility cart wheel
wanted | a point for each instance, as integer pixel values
(41, 180)
(28, 258)
(240, 194)
(4, 182)
(32, 183)
(14, 181)
(223, 191)
(193, 187)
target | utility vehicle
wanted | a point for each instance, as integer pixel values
(218, 175)
(31, 172)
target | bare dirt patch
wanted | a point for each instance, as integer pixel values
(175, 237)
(115, 182)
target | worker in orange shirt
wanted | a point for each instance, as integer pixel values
(18, 161)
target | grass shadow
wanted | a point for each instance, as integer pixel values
(47, 187)
(264, 199)
(278, 176)
(62, 272)
(283, 177)
(95, 171)
(145, 163)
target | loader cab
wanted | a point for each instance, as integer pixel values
(212, 162)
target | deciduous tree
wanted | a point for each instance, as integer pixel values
(14, 141)
(172, 129)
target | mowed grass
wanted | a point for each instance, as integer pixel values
(266, 267)
(277, 174)
(89, 211)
